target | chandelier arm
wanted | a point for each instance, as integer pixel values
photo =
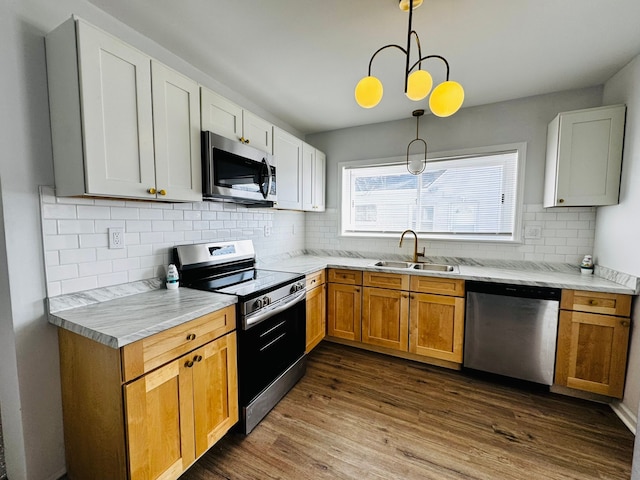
(419, 62)
(383, 48)
(408, 50)
(432, 56)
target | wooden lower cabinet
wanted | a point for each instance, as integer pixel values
(437, 326)
(157, 425)
(592, 352)
(316, 310)
(344, 311)
(385, 318)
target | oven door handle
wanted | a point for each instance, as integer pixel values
(251, 320)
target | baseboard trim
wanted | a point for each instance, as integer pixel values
(623, 412)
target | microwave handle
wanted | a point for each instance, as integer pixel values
(265, 163)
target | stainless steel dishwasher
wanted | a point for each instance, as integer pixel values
(511, 330)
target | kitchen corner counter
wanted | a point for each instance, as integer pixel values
(519, 275)
(124, 320)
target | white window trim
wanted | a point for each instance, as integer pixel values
(521, 147)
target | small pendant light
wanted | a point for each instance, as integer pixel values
(417, 166)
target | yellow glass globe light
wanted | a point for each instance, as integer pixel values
(446, 99)
(368, 92)
(404, 4)
(419, 85)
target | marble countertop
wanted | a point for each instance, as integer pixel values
(119, 315)
(120, 321)
(518, 275)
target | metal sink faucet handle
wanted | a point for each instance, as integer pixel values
(416, 254)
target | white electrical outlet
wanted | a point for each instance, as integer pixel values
(116, 238)
(533, 231)
(267, 230)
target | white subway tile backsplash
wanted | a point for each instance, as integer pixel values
(139, 250)
(78, 284)
(52, 258)
(151, 237)
(138, 225)
(125, 264)
(193, 215)
(61, 272)
(78, 255)
(93, 212)
(109, 279)
(76, 226)
(94, 240)
(172, 214)
(124, 213)
(107, 254)
(59, 242)
(162, 225)
(103, 226)
(94, 268)
(52, 211)
(151, 214)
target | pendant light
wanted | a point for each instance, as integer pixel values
(445, 100)
(417, 166)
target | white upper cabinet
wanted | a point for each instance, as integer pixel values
(584, 157)
(313, 179)
(176, 121)
(287, 153)
(225, 118)
(106, 103)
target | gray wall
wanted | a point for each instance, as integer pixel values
(522, 120)
(618, 228)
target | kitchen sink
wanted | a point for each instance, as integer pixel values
(389, 264)
(435, 267)
(430, 267)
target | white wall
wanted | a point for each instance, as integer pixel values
(618, 229)
(567, 232)
(30, 396)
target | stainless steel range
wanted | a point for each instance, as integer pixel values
(271, 315)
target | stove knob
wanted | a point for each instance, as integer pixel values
(294, 288)
(266, 301)
(258, 303)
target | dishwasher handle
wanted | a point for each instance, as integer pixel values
(511, 290)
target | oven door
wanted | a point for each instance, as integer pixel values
(268, 348)
(235, 171)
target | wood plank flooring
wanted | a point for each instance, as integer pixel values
(361, 415)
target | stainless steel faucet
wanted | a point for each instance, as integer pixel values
(416, 254)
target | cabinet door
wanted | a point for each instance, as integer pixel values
(592, 352)
(219, 115)
(257, 132)
(316, 316)
(215, 391)
(319, 181)
(287, 152)
(437, 326)
(308, 165)
(176, 123)
(584, 157)
(159, 422)
(344, 304)
(116, 115)
(385, 315)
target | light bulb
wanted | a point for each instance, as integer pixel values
(446, 99)
(368, 92)
(419, 85)
(404, 4)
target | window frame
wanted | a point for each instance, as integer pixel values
(520, 147)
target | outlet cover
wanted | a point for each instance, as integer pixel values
(116, 238)
(533, 231)
(267, 230)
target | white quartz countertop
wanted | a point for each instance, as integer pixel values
(130, 312)
(124, 320)
(306, 264)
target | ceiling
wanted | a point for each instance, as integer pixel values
(301, 59)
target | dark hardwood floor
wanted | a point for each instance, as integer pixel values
(361, 415)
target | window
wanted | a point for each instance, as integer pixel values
(470, 196)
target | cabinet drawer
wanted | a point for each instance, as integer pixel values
(596, 302)
(437, 285)
(349, 277)
(144, 355)
(315, 279)
(386, 280)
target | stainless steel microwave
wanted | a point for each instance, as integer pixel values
(236, 172)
